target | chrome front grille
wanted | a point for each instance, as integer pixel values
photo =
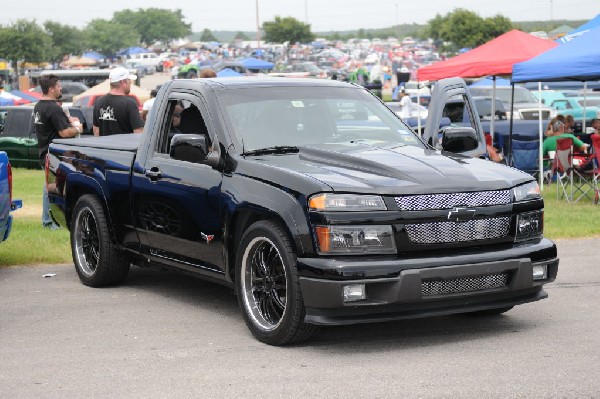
(449, 232)
(534, 114)
(465, 284)
(449, 201)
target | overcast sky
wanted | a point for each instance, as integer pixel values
(322, 15)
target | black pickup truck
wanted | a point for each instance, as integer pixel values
(312, 199)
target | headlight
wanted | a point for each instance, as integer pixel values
(346, 202)
(527, 191)
(355, 240)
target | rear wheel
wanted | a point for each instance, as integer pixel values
(97, 261)
(268, 287)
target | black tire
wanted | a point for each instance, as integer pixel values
(491, 312)
(193, 74)
(268, 288)
(97, 261)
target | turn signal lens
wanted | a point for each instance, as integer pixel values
(355, 240)
(346, 202)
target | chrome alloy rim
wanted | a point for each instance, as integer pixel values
(264, 283)
(87, 242)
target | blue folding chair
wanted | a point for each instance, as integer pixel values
(525, 156)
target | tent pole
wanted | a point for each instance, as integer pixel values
(584, 106)
(541, 137)
(493, 108)
(510, 129)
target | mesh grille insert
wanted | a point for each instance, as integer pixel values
(448, 232)
(466, 284)
(449, 201)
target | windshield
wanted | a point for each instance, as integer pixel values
(522, 95)
(262, 117)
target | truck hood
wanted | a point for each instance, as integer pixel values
(391, 170)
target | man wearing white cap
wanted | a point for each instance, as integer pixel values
(117, 112)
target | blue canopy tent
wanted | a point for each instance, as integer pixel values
(583, 29)
(25, 96)
(488, 81)
(227, 73)
(578, 59)
(93, 55)
(133, 50)
(255, 63)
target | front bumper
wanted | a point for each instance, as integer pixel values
(400, 295)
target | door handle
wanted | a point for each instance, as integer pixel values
(153, 173)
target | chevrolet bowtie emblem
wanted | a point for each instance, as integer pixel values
(207, 237)
(461, 214)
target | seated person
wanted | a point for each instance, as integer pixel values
(558, 132)
(549, 131)
(176, 121)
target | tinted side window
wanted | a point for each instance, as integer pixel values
(18, 123)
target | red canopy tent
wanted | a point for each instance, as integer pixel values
(493, 58)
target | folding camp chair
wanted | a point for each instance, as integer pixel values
(592, 167)
(525, 156)
(571, 181)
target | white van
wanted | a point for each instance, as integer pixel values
(151, 59)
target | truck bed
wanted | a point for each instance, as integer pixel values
(123, 142)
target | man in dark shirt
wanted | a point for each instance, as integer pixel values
(51, 123)
(117, 112)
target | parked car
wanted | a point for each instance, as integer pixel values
(526, 105)
(307, 67)
(18, 137)
(571, 105)
(70, 89)
(7, 203)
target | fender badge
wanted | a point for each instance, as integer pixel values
(461, 214)
(207, 237)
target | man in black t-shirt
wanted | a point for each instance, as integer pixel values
(117, 112)
(50, 123)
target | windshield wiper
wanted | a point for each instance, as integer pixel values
(280, 149)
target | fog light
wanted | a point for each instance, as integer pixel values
(354, 292)
(540, 272)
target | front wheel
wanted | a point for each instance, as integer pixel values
(268, 287)
(97, 261)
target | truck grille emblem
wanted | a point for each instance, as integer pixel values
(461, 214)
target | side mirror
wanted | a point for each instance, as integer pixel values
(189, 147)
(459, 139)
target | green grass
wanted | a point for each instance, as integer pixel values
(29, 243)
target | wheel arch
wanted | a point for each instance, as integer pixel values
(77, 188)
(240, 221)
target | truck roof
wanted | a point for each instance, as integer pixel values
(253, 81)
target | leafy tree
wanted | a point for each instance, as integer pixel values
(497, 26)
(465, 28)
(155, 24)
(24, 41)
(109, 37)
(65, 40)
(287, 29)
(207, 36)
(241, 36)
